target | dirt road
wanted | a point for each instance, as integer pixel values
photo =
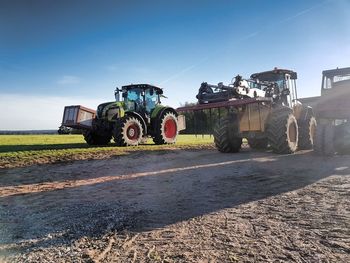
(180, 206)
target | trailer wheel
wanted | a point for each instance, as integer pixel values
(226, 135)
(307, 130)
(282, 132)
(92, 137)
(128, 131)
(258, 144)
(166, 129)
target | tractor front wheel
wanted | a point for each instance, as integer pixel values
(166, 129)
(342, 138)
(307, 130)
(324, 140)
(282, 132)
(128, 131)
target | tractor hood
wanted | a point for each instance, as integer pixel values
(103, 108)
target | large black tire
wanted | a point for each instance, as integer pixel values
(128, 131)
(324, 140)
(226, 135)
(307, 129)
(258, 144)
(166, 129)
(92, 137)
(282, 131)
(342, 138)
(328, 144)
(318, 142)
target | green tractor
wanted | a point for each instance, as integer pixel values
(135, 116)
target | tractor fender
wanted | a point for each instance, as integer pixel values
(302, 112)
(139, 117)
(159, 112)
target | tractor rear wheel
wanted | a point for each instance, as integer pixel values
(166, 129)
(226, 135)
(94, 138)
(307, 130)
(282, 131)
(258, 144)
(128, 131)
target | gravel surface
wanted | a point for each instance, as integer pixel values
(182, 206)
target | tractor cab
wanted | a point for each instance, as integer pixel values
(284, 79)
(337, 79)
(141, 98)
(335, 94)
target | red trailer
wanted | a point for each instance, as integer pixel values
(78, 117)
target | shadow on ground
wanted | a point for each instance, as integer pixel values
(145, 192)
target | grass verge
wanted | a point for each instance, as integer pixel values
(25, 150)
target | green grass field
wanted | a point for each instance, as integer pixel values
(23, 150)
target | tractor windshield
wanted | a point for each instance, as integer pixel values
(133, 98)
(336, 81)
(134, 94)
(279, 79)
(152, 99)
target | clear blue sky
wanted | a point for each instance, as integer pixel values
(54, 53)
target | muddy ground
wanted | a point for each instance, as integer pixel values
(181, 206)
